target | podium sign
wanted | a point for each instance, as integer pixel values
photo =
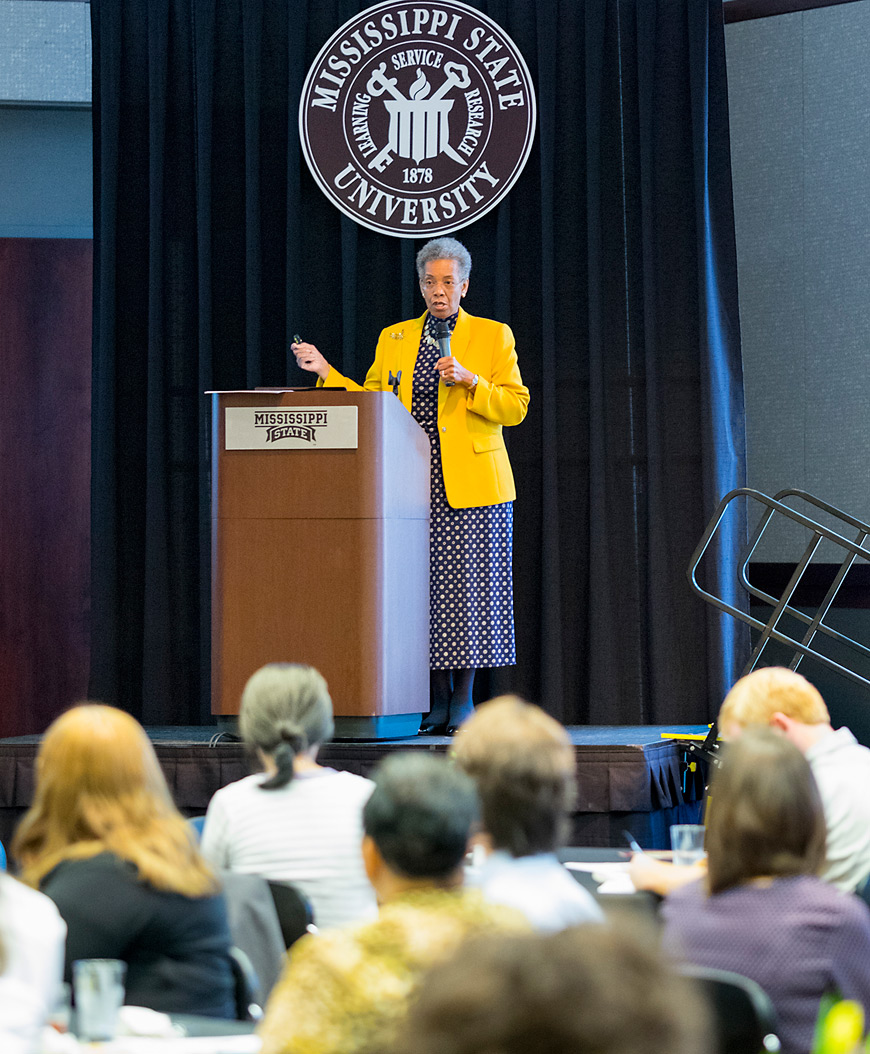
(291, 428)
(320, 550)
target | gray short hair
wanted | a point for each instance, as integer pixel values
(420, 814)
(286, 708)
(444, 249)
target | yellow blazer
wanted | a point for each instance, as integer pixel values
(473, 455)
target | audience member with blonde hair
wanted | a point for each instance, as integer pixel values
(785, 701)
(762, 911)
(522, 762)
(104, 840)
(297, 821)
(595, 990)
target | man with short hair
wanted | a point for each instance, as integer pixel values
(786, 701)
(522, 761)
(344, 991)
(783, 699)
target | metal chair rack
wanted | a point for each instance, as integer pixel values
(852, 551)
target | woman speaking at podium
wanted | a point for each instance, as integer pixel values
(458, 376)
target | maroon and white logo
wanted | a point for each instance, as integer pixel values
(416, 118)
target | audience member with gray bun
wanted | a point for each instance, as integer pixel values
(286, 714)
(297, 821)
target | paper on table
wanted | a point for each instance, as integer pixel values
(142, 1021)
(612, 876)
(598, 867)
(616, 884)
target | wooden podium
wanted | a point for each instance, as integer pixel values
(320, 554)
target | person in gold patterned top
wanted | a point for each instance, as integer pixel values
(346, 991)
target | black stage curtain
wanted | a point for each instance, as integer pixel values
(613, 259)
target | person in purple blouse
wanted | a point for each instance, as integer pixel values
(762, 911)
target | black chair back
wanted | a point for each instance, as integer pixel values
(743, 1015)
(295, 914)
(246, 983)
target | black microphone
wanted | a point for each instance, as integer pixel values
(442, 335)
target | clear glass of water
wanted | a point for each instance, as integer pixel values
(98, 989)
(687, 842)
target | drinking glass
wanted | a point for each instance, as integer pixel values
(687, 842)
(98, 988)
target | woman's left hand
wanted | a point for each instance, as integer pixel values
(453, 372)
(660, 876)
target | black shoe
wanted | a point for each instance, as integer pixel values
(455, 721)
(430, 728)
(453, 729)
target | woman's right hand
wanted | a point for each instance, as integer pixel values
(309, 358)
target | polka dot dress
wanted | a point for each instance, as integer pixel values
(471, 607)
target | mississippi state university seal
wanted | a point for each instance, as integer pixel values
(416, 118)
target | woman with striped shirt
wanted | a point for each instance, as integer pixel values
(297, 821)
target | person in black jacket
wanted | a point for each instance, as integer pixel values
(104, 840)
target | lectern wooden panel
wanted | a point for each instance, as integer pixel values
(322, 556)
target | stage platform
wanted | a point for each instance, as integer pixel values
(629, 777)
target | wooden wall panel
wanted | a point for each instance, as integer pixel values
(45, 402)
